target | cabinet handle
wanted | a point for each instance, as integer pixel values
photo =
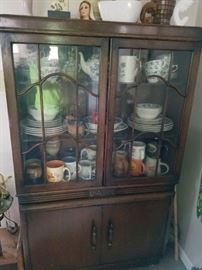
(110, 234)
(93, 236)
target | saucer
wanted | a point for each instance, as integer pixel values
(121, 127)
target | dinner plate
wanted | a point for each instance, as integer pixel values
(151, 127)
(34, 123)
(38, 132)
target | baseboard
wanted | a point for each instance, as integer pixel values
(184, 258)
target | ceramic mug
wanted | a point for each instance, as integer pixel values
(151, 164)
(70, 163)
(137, 167)
(33, 169)
(56, 171)
(138, 150)
(89, 152)
(120, 163)
(152, 148)
(129, 65)
(87, 171)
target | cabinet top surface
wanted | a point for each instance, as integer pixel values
(26, 24)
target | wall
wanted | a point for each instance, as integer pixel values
(6, 161)
(190, 228)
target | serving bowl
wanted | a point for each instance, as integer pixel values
(120, 10)
(49, 113)
(148, 110)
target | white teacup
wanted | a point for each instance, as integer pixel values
(129, 66)
(56, 171)
(70, 163)
(53, 147)
(89, 152)
(87, 171)
(151, 164)
(159, 67)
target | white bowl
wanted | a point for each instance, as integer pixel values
(120, 10)
(49, 114)
(148, 110)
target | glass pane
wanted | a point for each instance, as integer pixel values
(150, 95)
(57, 98)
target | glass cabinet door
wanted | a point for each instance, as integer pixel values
(57, 91)
(149, 97)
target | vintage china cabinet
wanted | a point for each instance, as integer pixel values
(71, 97)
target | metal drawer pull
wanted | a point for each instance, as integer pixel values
(110, 234)
(93, 236)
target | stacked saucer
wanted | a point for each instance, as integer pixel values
(150, 125)
(34, 127)
(122, 126)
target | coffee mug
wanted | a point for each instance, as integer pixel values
(151, 164)
(56, 171)
(68, 151)
(120, 163)
(138, 150)
(152, 148)
(33, 169)
(87, 171)
(137, 167)
(89, 152)
(70, 163)
(129, 65)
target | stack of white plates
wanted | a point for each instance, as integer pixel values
(34, 127)
(150, 125)
(34, 123)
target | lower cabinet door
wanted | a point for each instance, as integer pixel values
(63, 239)
(134, 231)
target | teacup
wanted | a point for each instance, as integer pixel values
(87, 171)
(159, 67)
(129, 66)
(151, 164)
(70, 163)
(56, 171)
(89, 152)
(53, 147)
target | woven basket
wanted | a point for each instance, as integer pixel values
(164, 11)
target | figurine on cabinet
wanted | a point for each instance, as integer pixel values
(86, 11)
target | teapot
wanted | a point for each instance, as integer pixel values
(91, 66)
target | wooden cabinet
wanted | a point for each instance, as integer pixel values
(94, 174)
(64, 238)
(68, 236)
